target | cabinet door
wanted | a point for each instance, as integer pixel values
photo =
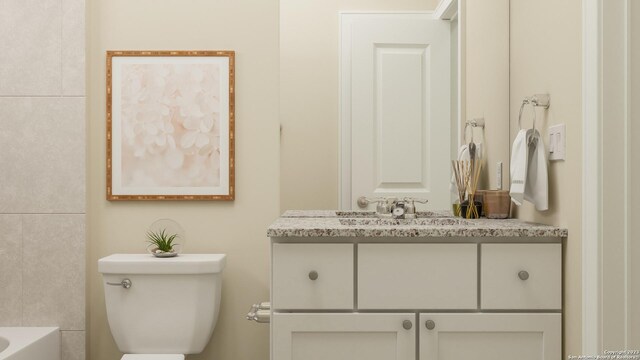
(343, 336)
(490, 336)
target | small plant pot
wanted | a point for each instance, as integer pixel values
(153, 250)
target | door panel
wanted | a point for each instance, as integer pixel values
(400, 82)
(491, 337)
(343, 337)
(396, 98)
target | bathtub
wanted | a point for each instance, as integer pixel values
(29, 343)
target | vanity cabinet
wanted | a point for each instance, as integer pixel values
(480, 290)
(329, 301)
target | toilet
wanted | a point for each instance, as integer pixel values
(162, 308)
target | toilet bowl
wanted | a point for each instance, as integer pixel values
(162, 308)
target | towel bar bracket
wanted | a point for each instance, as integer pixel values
(537, 100)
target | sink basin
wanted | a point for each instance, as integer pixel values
(356, 214)
(401, 222)
(373, 215)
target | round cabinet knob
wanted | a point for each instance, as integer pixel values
(523, 275)
(362, 202)
(313, 275)
(430, 324)
(407, 325)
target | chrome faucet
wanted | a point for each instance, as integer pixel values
(392, 207)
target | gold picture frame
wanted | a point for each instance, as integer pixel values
(170, 125)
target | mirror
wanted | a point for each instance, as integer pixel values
(372, 102)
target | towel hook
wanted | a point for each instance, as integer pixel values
(466, 126)
(537, 100)
(525, 102)
(477, 122)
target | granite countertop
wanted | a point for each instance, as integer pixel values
(333, 223)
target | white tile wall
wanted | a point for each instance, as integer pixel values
(10, 270)
(53, 283)
(42, 167)
(30, 51)
(42, 142)
(73, 47)
(72, 344)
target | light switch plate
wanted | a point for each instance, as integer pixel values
(557, 142)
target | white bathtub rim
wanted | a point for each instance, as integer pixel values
(4, 344)
(21, 337)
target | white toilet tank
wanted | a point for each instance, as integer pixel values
(171, 306)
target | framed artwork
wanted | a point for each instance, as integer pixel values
(170, 125)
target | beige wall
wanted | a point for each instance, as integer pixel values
(238, 228)
(309, 39)
(486, 82)
(546, 56)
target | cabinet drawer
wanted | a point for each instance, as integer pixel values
(417, 276)
(312, 276)
(521, 276)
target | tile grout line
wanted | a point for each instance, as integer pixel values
(61, 47)
(21, 270)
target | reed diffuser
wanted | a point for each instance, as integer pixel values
(461, 173)
(467, 174)
(472, 187)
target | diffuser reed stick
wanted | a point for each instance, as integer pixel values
(474, 178)
(461, 172)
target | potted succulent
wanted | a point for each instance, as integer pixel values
(162, 243)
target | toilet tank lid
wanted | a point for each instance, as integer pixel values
(149, 264)
(153, 357)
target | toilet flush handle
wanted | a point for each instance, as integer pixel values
(126, 283)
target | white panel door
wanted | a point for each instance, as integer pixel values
(533, 336)
(395, 93)
(343, 337)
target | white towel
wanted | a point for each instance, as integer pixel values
(536, 189)
(463, 152)
(519, 158)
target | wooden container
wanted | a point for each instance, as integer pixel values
(497, 204)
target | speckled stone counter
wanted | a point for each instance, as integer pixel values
(332, 223)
